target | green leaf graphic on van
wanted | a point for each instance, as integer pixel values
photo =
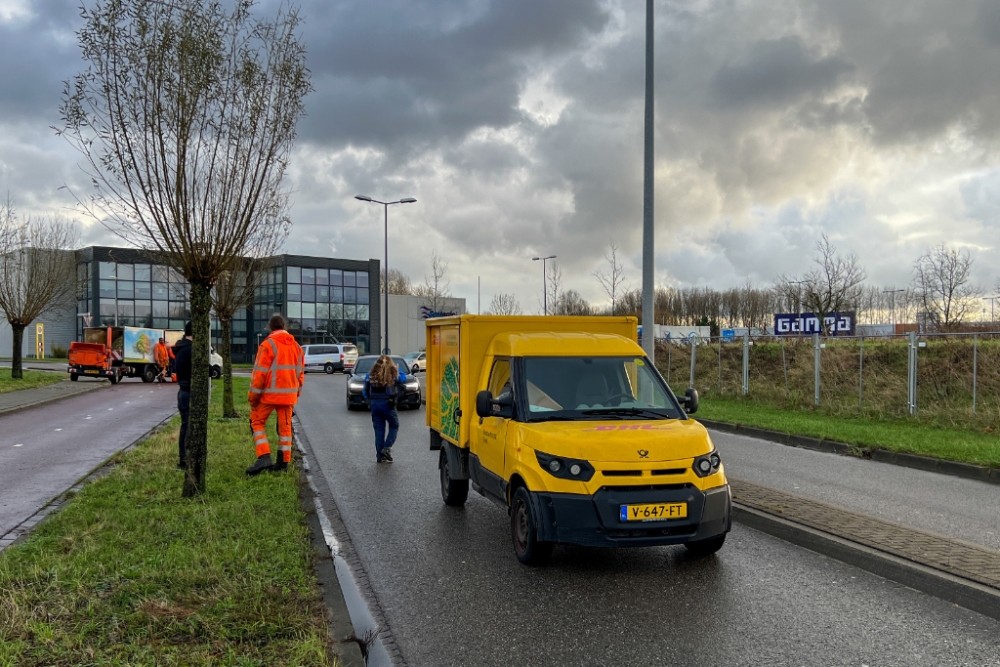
(449, 399)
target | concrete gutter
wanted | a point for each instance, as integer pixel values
(941, 466)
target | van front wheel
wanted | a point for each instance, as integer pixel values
(527, 547)
(454, 492)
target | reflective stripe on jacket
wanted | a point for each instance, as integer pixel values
(279, 370)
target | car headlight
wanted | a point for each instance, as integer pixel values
(707, 465)
(565, 468)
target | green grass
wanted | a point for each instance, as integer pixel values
(130, 573)
(914, 435)
(31, 380)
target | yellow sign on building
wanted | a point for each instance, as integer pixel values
(39, 341)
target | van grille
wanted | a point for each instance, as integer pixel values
(622, 473)
(647, 487)
(670, 471)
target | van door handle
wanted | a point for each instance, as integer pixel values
(456, 416)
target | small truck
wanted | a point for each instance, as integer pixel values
(118, 352)
(567, 425)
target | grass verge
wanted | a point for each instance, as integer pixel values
(31, 380)
(910, 435)
(130, 573)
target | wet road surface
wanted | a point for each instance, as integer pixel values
(452, 592)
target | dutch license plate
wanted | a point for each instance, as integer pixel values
(654, 512)
(90, 372)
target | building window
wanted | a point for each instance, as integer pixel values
(336, 295)
(322, 311)
(349, 278)
(125, 272)
(322, 277)
(142, 272)
(350, 295)
(160, 273)
(362, 279)
(336, 277)
(142, 291)
(336, 311)
(308, 292)
(308, 276)
(308, 311)
(362, 295)
(294, 292)
(294, 274)
(160, 309)
(125, 287)
(107, 269)
(294, 309)
(108, 289)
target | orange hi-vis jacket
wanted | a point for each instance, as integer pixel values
(279, 371)
(162, 355)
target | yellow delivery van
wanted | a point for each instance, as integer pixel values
(564, 422)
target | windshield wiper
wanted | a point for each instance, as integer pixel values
(629, 412)
(553, 418)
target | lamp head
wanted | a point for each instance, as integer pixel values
(362, 197)
(408, 200)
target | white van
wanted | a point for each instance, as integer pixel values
(330, 357)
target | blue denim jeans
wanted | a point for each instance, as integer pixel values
(382, 413)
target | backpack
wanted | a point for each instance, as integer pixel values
(378, 392)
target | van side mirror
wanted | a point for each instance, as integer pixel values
(690, 401)
(487, 406)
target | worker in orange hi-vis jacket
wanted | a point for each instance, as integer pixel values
(162, 356)
(278, 375)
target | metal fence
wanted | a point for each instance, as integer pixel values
(913, 374)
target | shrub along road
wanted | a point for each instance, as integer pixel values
(448, 585)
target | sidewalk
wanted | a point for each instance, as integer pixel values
(14, 401)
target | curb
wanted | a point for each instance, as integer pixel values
(916, 461)
(968, 594)
(26, 527)
(340, 626)
(28, 406)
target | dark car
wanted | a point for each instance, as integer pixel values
(356, 383)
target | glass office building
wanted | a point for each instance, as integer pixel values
(323, 299)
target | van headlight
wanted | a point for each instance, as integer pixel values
(565, 468)
(707, 465)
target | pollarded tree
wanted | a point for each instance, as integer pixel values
(186, 115)
(37, 272)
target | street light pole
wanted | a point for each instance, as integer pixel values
(991, 299)
(648, 276)
(385, 206)
(893, 292)
(545, 287)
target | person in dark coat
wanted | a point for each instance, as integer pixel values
(182, 367)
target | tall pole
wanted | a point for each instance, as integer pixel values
(545, 290)
(386, 209)
(648, 344)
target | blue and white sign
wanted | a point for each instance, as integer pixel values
(728, 335)
(806, 324)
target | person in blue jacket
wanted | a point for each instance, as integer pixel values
(381, 386)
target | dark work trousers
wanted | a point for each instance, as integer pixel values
(383, 412)
(184, 407)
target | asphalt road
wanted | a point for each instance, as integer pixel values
(950, 506)
(45, 450)
(453, 593)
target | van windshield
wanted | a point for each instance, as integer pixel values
(595, 388)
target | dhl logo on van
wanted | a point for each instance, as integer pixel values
(627, 427)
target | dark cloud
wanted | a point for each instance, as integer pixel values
(774, 74)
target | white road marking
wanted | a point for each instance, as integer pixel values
(127, 402)
(20, 445)
(110, 409)
(87, 417)
(58, 429)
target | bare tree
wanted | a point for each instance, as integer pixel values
(571, 303)
(436, 287)
(37, 272)
(399, 282)
(832, 287)
(553, 286)
(235, 290)
(504, 304)
(613, 281)
(186, 115)
(941, 281)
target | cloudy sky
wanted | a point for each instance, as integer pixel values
(517, 124)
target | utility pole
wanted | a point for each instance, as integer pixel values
(648, 326)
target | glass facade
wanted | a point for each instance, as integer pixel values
(321, 304)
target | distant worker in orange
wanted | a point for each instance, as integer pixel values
(278, 375)
(162, 356)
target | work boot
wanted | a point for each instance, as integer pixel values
(260, 465)
(281, 465)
